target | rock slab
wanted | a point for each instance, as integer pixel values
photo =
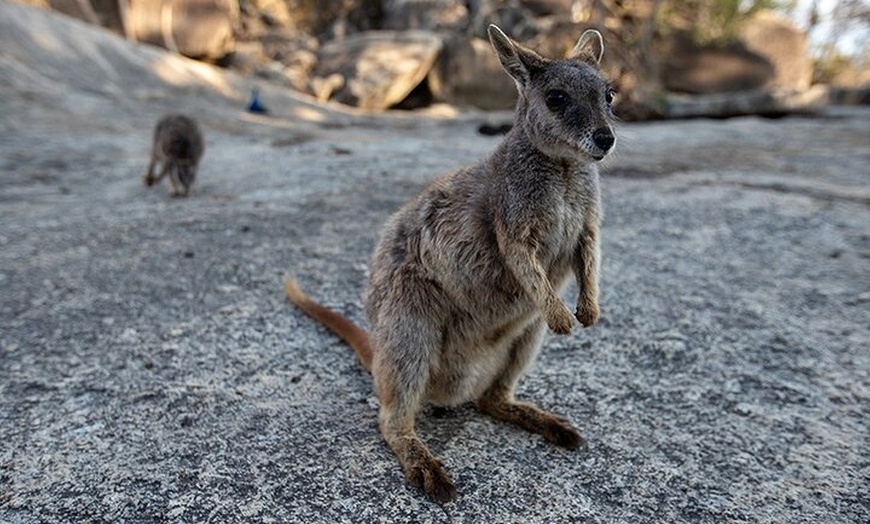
(377, 69)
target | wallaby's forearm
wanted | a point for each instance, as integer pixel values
(587, 264)
(520, 256)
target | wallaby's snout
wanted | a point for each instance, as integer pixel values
(603, 138)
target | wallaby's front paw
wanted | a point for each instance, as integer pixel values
(587, 313)
(559, 320)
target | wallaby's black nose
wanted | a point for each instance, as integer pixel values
(603, 138)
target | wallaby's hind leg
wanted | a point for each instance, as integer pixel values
(149, 179)
(501, 405)
(499, 402)
(401, 372)
(178, 189)
(162, 170)
(421, 467)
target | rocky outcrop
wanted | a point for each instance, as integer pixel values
(770, 54)
(374, 70)
(706, 69)
(784, 47)
(766, 70)
(469, 74)
(311, 45)
(201, 29)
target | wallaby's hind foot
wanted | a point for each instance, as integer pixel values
(148, 178)
(422, 469)
(178, 189)
(532, 418)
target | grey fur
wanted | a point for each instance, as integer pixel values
(177, 149)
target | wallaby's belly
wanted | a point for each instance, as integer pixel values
(466, 369)
(489, 311)
(480, 306)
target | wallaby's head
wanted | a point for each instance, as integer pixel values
(564, 105)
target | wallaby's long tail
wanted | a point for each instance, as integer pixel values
(355, 336)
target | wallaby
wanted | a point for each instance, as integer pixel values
(177, 148)
(466, 276)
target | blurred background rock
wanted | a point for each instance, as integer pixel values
(667, 58)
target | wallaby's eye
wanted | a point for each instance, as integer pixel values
(556, 99)
(608, 95)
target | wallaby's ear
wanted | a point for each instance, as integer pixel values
(589, 48)
(517, 60)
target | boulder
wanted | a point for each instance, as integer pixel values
(706, 69)
(782, 45)
(769, 54)
(469, 74)
(379, 68)
(202, 29)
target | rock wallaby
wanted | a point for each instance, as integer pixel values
(177, 149)
(466, 276)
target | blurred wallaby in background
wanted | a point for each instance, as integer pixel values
(178, 147)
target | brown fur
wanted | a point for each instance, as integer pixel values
(465, 278)
(177, 149)
(354, 335)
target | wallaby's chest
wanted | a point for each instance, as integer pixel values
(568, 209)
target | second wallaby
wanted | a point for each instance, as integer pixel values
(176, 150)
(466, 277)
